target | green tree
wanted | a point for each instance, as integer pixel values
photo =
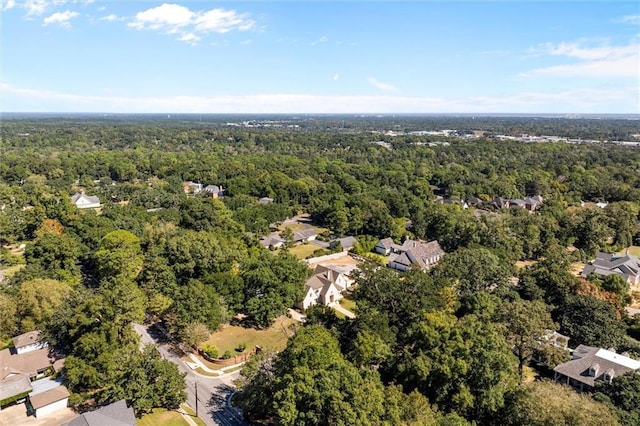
(623, 395)
(462, 365)
(119, 254)
(527, 322)
(146, 381)
(470, 270)
(592, 322)
(544, 403)
(271, 285)
(38, 300)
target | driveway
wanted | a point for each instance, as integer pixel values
(17, 415)
(213, 392)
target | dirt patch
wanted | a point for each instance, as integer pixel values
(345, 260)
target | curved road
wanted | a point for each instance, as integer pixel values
(213, 392)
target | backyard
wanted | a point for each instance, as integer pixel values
(302, 251)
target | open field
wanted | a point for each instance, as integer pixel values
(274, 337)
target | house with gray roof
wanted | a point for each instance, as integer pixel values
(627, 266)
(410, 253)
(213, 191)
(115, 414)
(304, 235)
(84, 201)
(272, 241)
(590, 364)
(347, 243)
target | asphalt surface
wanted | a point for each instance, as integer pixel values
(213, 392)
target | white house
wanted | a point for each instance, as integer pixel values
(28, 342)
(83, 201)
(325, 286)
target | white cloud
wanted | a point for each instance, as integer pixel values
(177, 19)
(39, 7)
(222, 21)
(190, 38)
(110, 18)
(246, 42)
(380, 85)
(61, 18)
(7, 4)
(322, 39)
(599, 61)
(618, 100)
(336, 77)
(166, 16)
(36, 7)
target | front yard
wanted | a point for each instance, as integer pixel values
(272, 338)
(162, 417)
(348, 304)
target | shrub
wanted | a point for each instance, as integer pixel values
(227, 355)
(241, 347)
(210, 350)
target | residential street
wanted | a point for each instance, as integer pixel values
(213, 392)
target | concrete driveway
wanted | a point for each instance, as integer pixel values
(17, 415)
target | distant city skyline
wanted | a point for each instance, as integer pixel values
(330, 57)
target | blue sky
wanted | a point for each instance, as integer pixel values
(320, 57)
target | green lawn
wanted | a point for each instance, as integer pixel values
(162, 417)
(633, 250)
(193, 414)
(303, 250)
(274, 337)
(348, 304)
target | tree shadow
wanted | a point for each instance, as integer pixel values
(220, 409)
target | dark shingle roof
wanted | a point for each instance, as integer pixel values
(116, 414)
(602, 360)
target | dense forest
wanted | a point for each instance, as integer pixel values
(450, 346)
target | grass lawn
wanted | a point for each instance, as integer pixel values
(348, 304)
(303, 250)
(274, 337)
(162, 417)
(633, 250)
(293, 227)
(188, 409)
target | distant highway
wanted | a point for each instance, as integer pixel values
(213, 392)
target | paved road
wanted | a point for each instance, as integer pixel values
(213, 392)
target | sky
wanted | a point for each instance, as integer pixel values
(320, 56)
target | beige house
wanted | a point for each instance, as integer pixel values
(325, 286)
(21, 367)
